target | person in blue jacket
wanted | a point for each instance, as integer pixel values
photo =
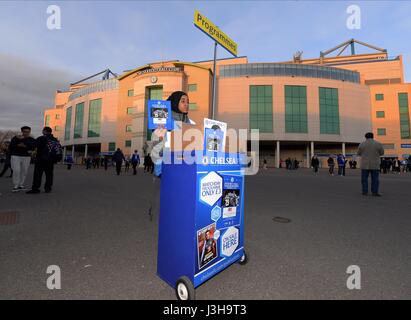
(69, 161)
(341, 164)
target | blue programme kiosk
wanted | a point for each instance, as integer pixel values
(201, 226)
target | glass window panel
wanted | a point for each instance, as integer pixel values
(94, 118)
(111, 146)
(192, 87)
(381, 131)
(68, 124)
(78, 121)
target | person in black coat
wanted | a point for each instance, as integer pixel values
(105, 160)
(118, 158)
(331, 165)
(44, 162)
(315, 163)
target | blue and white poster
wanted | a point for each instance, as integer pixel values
(159, 114)
(214, 136)
(218, 221)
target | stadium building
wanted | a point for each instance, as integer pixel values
(302, 107)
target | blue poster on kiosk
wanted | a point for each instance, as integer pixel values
(219, 220)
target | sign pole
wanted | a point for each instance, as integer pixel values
(214, 83)
(219, 37)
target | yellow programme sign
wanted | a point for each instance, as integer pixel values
(216, 34)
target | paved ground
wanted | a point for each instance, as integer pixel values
(94, 226)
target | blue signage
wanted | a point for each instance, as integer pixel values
(406, 145)
(159, 114)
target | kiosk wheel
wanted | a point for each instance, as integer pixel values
(244, 259)
(185, 289)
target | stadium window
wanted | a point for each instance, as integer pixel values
(380, 114)
(192, 87)
(379, 97)
(381, 131)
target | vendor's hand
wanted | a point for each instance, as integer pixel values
(160, 132)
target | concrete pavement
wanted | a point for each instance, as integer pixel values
(95, 227)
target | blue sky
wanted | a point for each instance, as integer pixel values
(123, 35)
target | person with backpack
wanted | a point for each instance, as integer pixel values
(49, 152)
(135, 161)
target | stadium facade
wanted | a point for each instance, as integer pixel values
(302, 107)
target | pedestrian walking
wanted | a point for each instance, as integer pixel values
(147, 160)
(315, 163)
(341, 164)
(118, 158)
(151, 166)
(397, 166)
(49, 152)
(265, 164)
(105, 160)
(88, 163)
(135, 161)
(404, 165)
(331, 165)
(127, 165)
(389, 165)
(370, 152)
(69, 161)
(296, 164)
